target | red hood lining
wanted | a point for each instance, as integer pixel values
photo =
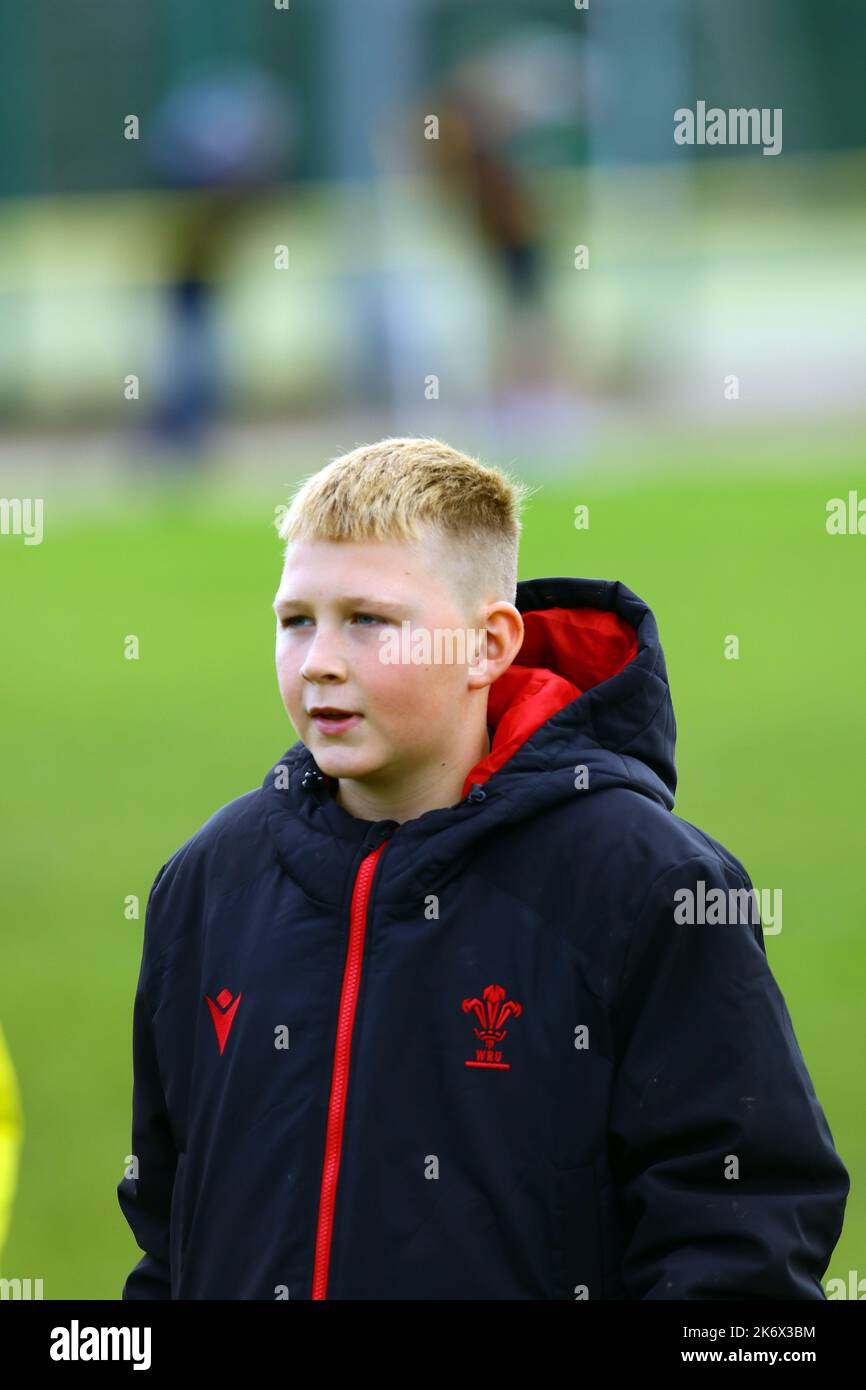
(565, 652)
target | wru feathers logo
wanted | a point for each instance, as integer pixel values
(491, 1013)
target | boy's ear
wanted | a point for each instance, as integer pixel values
(500, 641)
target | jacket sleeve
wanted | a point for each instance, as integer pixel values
(728, 1181)
(146, 1199)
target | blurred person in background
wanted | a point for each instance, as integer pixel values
(486, 103)
(223, 135)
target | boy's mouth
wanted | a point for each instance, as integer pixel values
(328, 719)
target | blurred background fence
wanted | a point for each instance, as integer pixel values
(402, 259)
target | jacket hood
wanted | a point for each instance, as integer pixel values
(588, 689)
(592, 668)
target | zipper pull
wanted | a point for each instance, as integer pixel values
(380, 831)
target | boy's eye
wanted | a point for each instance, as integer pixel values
(301, 617)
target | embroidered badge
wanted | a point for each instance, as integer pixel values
(491, 1014)
(223, 1016)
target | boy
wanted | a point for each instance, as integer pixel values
(422, 1016)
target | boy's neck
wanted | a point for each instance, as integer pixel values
(429, 791)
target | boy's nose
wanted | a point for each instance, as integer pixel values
(324, 660)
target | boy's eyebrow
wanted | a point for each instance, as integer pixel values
(350, 600)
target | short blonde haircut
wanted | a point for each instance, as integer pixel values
(398, 489)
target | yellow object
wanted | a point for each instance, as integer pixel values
(11, 1133)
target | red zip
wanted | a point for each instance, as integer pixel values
(340, 1071)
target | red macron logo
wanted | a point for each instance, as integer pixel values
(491, 1014)
(223, 1016)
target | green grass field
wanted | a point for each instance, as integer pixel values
(109, 765)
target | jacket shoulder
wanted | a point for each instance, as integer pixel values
(226, 851)
(225, 832)
(651, 839)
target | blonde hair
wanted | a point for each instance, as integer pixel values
(398, 488)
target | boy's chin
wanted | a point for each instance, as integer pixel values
(357, 765)
(345, 762)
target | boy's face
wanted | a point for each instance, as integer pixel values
(334, 600)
